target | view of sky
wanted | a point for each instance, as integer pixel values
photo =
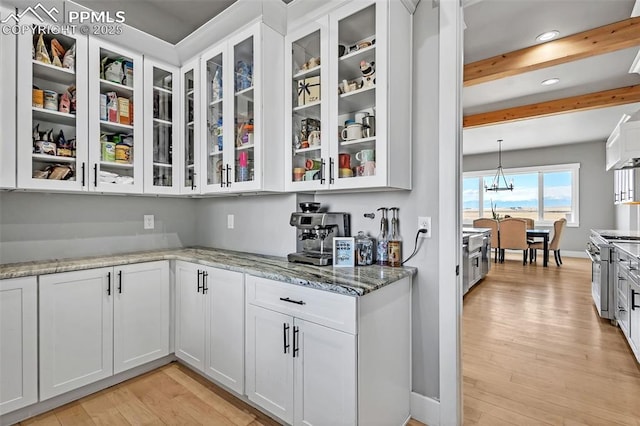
(557, 191)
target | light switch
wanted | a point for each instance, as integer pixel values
(230, 220)
(148, 221)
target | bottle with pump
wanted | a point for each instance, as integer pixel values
(382, 251)
(395, 241)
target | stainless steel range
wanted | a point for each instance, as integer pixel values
(603, 280)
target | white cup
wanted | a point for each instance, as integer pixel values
(353, 131)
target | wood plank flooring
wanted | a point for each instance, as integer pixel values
(535, 351)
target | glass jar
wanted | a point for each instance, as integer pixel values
(364, 249)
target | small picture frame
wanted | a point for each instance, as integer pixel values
(344, 249)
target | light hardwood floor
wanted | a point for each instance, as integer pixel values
(536, 352)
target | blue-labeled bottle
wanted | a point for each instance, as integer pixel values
(382, 245)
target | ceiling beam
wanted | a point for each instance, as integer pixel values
(605, 39)
(607, 98)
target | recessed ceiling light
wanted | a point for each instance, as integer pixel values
(550, 81)
(548, 35)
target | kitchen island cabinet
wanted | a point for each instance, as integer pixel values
(18, 343)
(627, 267)
(102, 321)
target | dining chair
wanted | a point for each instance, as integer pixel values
(495, 235)
(558, 228)
(530, 222)
(513, 236)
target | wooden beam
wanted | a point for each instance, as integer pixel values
(609, 38)
(607, 98)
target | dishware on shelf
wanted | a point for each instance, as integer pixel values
(312, 164)
(314, 138)
(368, 126)
(344, 161)
(309, 207)
(298, 174)
(366, 155)
(312, 175)
(369, 168)
(345, 173)
(352, 131)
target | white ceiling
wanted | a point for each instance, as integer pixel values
(500, 26)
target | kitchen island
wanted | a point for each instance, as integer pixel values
(476, 256)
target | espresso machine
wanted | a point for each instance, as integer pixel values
(316, 231)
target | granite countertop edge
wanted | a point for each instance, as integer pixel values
(356, 281)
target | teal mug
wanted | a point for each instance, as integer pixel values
(366, 155)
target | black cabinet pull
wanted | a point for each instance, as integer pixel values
(331, 179)
(296, 330)
(285, 336)
(633, 301)
(228, 169)
(95, 175)
(205, 275)
(120, 282)
(83, 174)
(200, 287)
(221, 177)
(297, 302)
(322, 178)
(108, 283)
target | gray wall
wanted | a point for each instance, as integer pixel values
(596, 184)
(261, 223)
(36, 226)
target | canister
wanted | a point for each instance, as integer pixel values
(108, 151)
(37, 98)
(364, 249)
(123, 153)
(50, 100)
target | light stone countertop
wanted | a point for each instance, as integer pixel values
(356, 281)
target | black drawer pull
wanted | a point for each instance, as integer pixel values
(205, 275)
(200, 287)
(633, 301)
(108, 283)
(296, 330)
(120, 282)
(297, 302)
(285, 336)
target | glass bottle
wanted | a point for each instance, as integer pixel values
(395, 241)
(382, 253)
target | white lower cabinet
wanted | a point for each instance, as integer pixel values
(320, 358)
(210, 322)
(18, 343)
(98, 322)
(634, 319)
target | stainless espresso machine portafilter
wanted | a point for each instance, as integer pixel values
(316, 231)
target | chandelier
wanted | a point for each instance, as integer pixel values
(495, 186)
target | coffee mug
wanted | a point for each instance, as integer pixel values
(344, 161)
(311, 175)
(366, 155)
(353, 131)
(314, 164)
(314, 138)
(369, 168)
(298, 174)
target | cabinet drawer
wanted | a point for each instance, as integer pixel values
(318, 306)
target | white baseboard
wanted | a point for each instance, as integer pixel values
(425, 409)
(571, 253)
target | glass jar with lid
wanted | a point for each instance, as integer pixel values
(364, 249)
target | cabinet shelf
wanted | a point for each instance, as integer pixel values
(53, 73)
(163, 165)
(120, 89)
(357, 141)
(159, 122)
(190, 93)
(310, 149)
(53, 116)
(215, 102)
(163, 90)
(114, 165)
(357, 100)
(315, 71)
(244, 147)
(246, 93)
(117, 127)
(307, 106)
(52, 158)
(356, 56)
(215, 153)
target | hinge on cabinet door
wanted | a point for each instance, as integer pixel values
(457, 270)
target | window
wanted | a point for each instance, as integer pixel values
(543, 193)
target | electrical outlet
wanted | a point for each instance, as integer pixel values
(148, 221)
(424, 222)
(230, 220)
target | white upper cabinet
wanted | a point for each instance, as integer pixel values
(52, 135)
(190, 119)
(7, 109)
(115, 119)
(241, 108)
(348, 99)
(161, 128)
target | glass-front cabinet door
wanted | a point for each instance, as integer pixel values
(190, 117)
(115, 119)
(161, 128)
(52, 128)
(360, 80)
(215, 121)
(308, 139)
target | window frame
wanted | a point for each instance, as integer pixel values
(574, 168)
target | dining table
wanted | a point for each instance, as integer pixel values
(544, 234)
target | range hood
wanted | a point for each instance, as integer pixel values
(623, 145)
